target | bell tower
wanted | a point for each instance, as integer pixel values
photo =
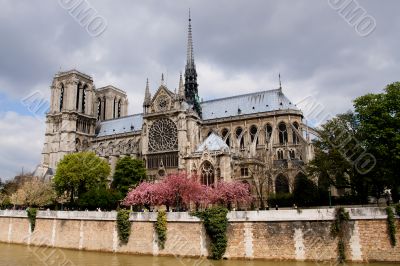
(71, 121)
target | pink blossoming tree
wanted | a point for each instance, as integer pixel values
(180, 190)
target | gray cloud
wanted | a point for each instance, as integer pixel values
(240, 46)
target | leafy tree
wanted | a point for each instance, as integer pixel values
(379, 118)
(335, 159)
(34, 192)
(305, 191)
(80, 172)
(99, 197)
(128, 173)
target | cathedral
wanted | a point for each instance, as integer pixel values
(259, 138)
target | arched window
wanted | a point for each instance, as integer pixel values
(207, 174)
(280, 154)
(283, 135)
(119, 108)
(225, 136)
(84, 98)
(77, 95)
(268, 132)
(61, 97)
(239, 137)
(294, 135)
(253, 134)
(114, 105)
(292, 154)
(281, 184)
(98, 108)
(104, 105)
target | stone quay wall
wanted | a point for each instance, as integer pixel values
(274, 234)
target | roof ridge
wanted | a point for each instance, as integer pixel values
(240, 95)
(122, 117)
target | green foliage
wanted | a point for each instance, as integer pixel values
(31, 212)
(128, 173)
(339, 229)
(280, 199)
(161, 228)
(305, 192)
(123, 226)
(77, 173)
(391, 222)
(5, 201)
(100, 197)
(216, 224)
(397, 207)
(379, 120)
(335, 152)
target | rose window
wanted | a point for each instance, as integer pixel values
(163, 135)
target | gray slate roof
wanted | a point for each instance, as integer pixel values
(121, 125)
(245, 104)
(213, 143)
(252, 103)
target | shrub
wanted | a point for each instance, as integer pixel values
(216, 224)
(281, 199)
(123, 225)
(161, 228)
(31, 212)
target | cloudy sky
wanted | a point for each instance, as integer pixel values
(240, 46)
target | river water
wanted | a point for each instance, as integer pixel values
(12, 254)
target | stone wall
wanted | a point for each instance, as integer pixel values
(280, 235)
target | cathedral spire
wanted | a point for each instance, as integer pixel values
(189, 54)
(191, 86)
(147, 95)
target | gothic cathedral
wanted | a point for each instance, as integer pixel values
(252, 137)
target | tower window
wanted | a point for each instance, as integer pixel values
(119, 108)
(98, 108)
(61, 97)
(84, 98)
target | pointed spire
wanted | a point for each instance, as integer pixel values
(162, 79)
(280, 83)
(181, 89)
(147, 95)
(190, 55)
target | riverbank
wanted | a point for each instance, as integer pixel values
(275, 234)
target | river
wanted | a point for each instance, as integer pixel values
(12, 254)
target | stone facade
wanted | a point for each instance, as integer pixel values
(257, 136)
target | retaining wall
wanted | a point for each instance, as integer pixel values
(274, 234)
